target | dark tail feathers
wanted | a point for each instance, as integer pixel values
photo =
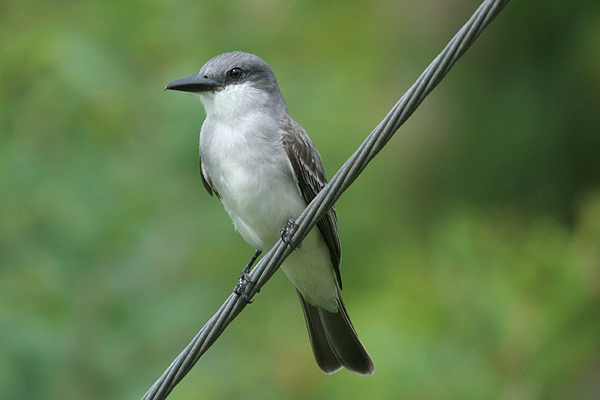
(334, 340)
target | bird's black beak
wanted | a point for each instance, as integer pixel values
(194, 84)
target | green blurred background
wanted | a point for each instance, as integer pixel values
(471, 243)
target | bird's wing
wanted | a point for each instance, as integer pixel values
(309, 174)
(205, 181)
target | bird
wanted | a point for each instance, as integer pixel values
(264, 169)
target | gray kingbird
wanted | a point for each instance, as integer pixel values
(264, 169)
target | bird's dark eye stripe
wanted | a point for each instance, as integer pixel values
(236, 73)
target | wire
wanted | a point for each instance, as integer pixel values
(351, 169)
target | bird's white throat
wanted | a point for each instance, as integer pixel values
(234, 102)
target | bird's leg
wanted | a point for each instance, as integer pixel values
(240, 287)
(288, 231)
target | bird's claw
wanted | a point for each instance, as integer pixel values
(288, 231)
(240, 287)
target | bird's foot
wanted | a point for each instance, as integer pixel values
(240, 287)
(288, 231)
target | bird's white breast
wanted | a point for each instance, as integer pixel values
(243, 157)
(247, 165)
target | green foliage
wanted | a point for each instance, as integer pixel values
(471, 244)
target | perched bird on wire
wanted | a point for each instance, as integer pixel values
(265, 170)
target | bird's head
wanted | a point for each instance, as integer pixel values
(233, 83)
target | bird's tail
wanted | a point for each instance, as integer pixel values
(334, 340)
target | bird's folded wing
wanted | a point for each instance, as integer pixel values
(310, 176)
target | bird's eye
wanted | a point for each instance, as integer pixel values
(236, 73)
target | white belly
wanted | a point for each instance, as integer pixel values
(255, 183)
(254, 180)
